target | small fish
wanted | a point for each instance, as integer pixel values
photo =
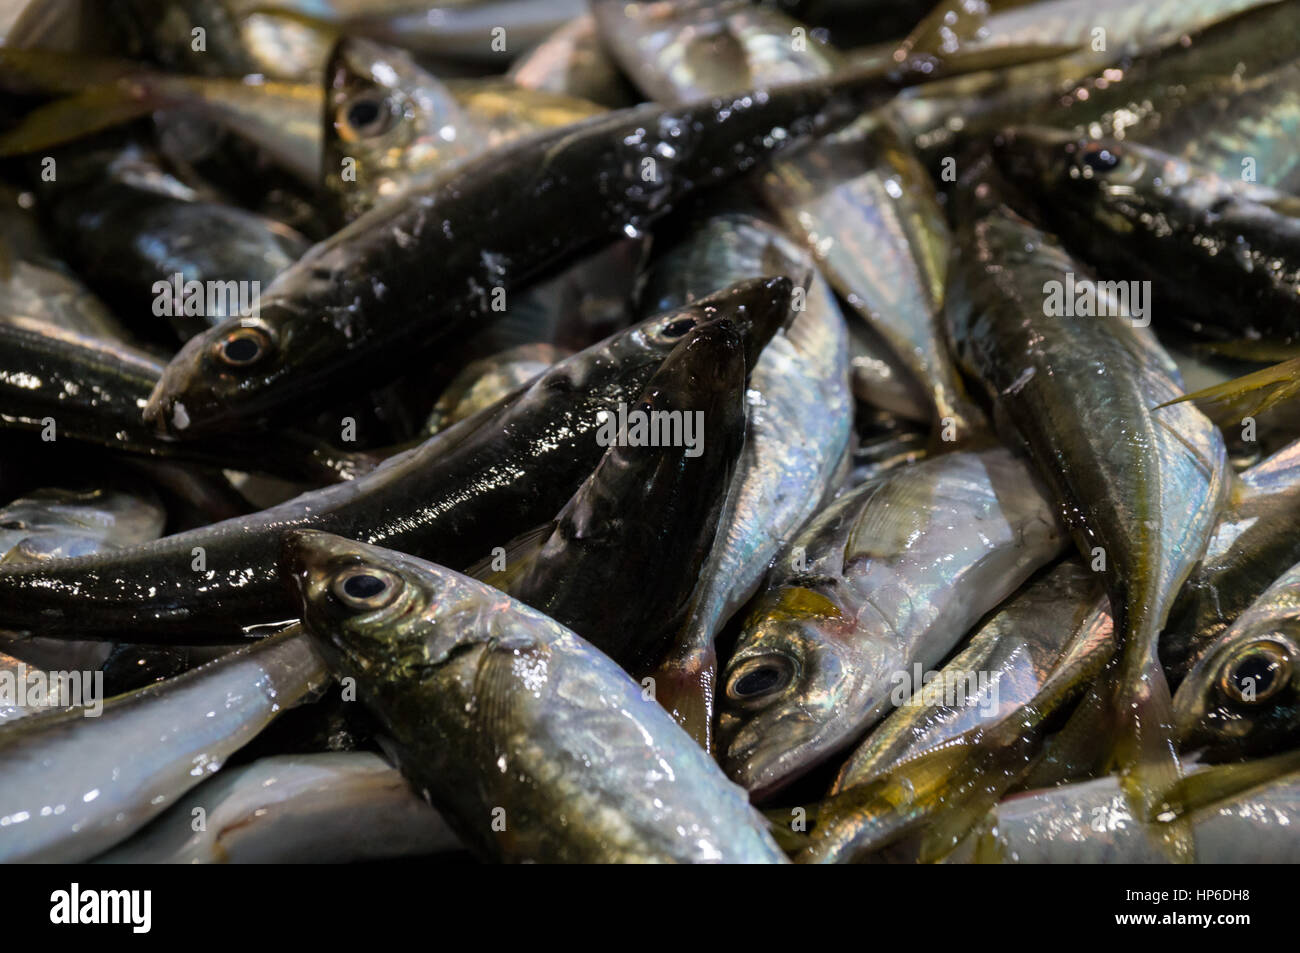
(117, 771)
(1242, 695)
(559, 755)
(334, 807)
(51, 523)
(798, 428)
(891, 574)
(1139, 488)
(1222, 256)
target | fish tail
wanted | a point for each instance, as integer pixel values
(1248, 395)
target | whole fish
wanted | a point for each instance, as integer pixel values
(800, 418)
(329, 808)
(487, 380)
(68, 386)
(1254, 543)
(1240, 696)
(115, 772)
(1093, 823)
(512, 466)
(891, 574)
(342, 312)
(1139, 488)
(36, 284)
(624, 584)
(532, 744)
(857, 200)
(1222, 255)
(1015, 651)
(53, 522)
(130, 228)
(573, 62)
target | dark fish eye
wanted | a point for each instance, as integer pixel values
(364, 587)
(679, 328)
(1098, 158)
(244, 346)
(367, 114)
(760, 678)
(1256, 673)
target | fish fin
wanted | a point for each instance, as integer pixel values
(684, 685)
(519, 554)
(76, 116)
(1212, 785)
(1227, 404)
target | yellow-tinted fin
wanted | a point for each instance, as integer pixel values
(1247, 396)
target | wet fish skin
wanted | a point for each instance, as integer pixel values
(1016, 649)
(1240, 697)
(1092, 822)
(53, 522)
(564, 750)
(892, 573)
(37, 284)
(1141, 487)
(91, 390)
(487, 380)
(798, 429)
(1141, 214)
(621, 581)
(497, 458)
(1254, 543)
(340, 313)
(327, 808)
(115, 774)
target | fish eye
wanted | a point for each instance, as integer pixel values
(244, 346)
(760, 678)
(1256, 673)
(1098, 158)
(679, 328)
(366, 114)
(366, 588)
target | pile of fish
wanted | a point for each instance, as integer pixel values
(668, 431)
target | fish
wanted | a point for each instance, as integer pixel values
(513, 465)
(145, 749)
(1015, 651)
(389, 124)
(62, 385)
(328, 808)
(621, 583)
(891, 574)
(339, 315)
(1093, 823)
(484, 382)
(55, 522)
(130, 228)
(573, 62)
(796, 437)
(1240, 696)
(1139, 488)
(560, 756)
(1143, 215)
(1253, 544)
(856, 199)
(37, 284)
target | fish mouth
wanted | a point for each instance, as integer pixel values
(165, 411)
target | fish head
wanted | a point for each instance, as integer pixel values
(758, 307)
(1092, 177)
(366, 608)
(195, 390)
(1243, 695)
(783, 689)
(387, 122)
